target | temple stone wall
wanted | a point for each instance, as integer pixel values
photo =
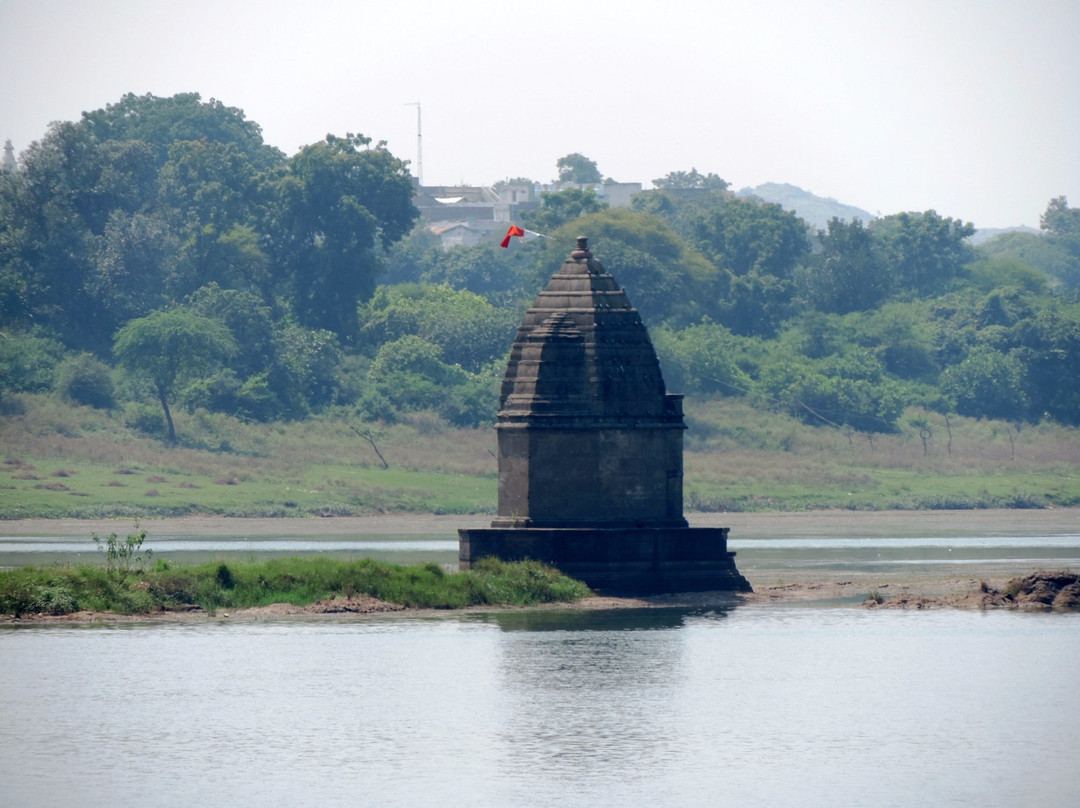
(567, 477)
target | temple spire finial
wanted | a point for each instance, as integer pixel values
(581, 252)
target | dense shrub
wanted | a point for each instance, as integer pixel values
(85, 379)
(28, 362)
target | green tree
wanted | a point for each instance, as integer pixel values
(162, 122)
(304, 368)
(755, 304)
(124, 210)
(412, 374)
(701, 359)
(849, 389)
(757, 249)
(1059, 219)
(85, 379)
(468, 330)
(414, 259)
(988, 384)
(901, 337)
(987, 274)
(248, 319)
(577, 168)
(849, 273)
(280, 369)
(67, 187)
(682, 180)
(500, 276)
(169, 343)
(339, 201)
(232, 259)
(559, 207)
(137, 254)
(1048, 343)
(28, 361)
(924, 252)
(209, 183)
(746, 237)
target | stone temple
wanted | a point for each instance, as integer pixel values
(590, 450)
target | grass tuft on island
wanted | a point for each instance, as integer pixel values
(298, 581)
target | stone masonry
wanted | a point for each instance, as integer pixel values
(590, 449)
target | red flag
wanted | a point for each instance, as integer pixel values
(513, 231)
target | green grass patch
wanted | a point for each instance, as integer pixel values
(62, 461)
(299, 581)
(887, 489)
(89, 491)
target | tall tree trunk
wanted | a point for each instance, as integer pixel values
(168, 415)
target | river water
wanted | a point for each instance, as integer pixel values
(756, 704)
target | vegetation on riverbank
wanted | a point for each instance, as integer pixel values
(157, 255)
(66, 461)
(298, 581)
(192, 322)
(77, 462)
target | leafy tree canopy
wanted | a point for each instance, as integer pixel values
(558, 208)
(162, 122)
(850, 273)
(744, 236)
(1059, 219)
(925, 251)
(168, 343)
(468, 330)
(339, 200)
(577, 168)
(692, 179)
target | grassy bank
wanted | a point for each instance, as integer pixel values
(297, 581)
(61, 461)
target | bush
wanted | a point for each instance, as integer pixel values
(217, 392)
(28, 362)
(988, 384)
(54, 600)
(146, 419)
(85, 379)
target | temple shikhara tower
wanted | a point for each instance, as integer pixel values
(590, 450)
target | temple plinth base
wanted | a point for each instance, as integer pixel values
(618, 561)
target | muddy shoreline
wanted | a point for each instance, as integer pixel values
(975, 588)
(993, 593)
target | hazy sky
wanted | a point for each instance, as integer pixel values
(970, 108)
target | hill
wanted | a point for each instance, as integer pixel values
(984, 234)
(813, 209)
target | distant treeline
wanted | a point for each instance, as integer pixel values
(156, 253)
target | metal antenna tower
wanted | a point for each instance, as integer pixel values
(419, 144)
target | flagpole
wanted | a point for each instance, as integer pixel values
(419, 144)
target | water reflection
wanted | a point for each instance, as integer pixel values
(589, 620)
(566, 680)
